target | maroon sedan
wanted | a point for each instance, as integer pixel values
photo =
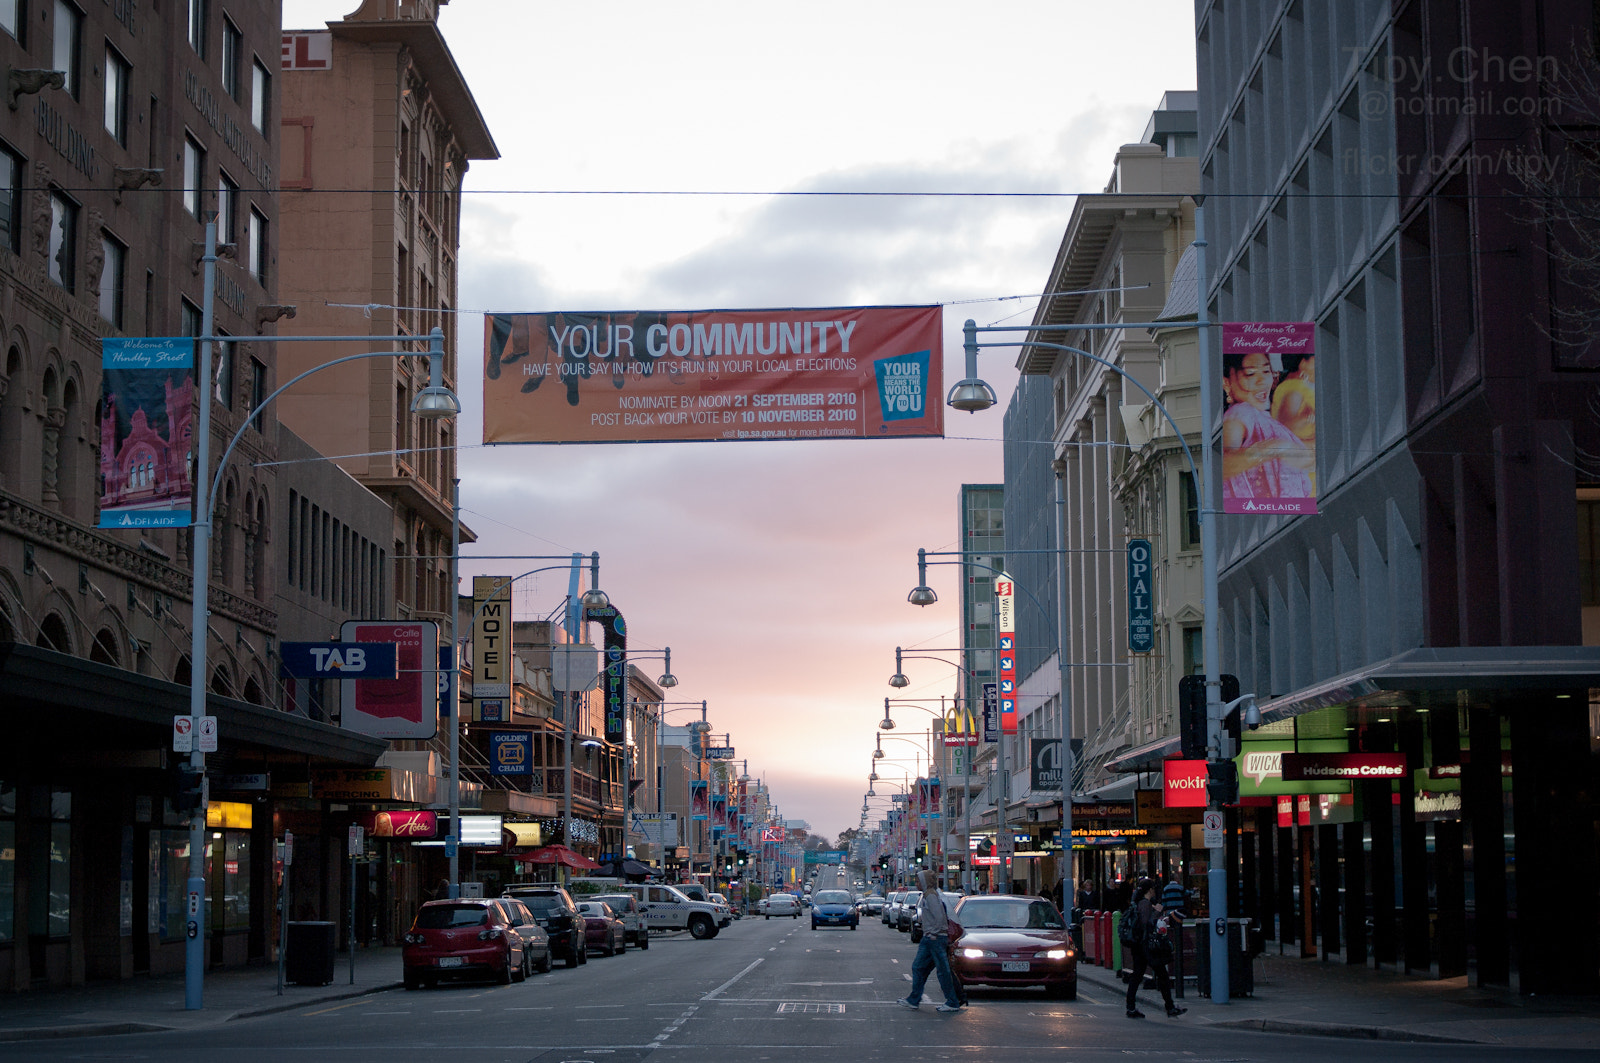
(602, 929)
(462, 937)
(1011, 941)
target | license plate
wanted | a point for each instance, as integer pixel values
(450, 961)
(1014, 965)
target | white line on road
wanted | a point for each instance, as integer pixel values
(717, 991)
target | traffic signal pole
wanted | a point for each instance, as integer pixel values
(1216, 739)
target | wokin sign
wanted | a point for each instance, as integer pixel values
(871, 372)
(1183, 783)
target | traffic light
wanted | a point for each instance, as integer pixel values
(190, 795)
(922, 851)
(741, 856)
(1192, 713)
(1192, 717)
(1222, 782)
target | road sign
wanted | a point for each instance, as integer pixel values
(358, 839)
(1211, 825)
(183, 734)
(208, 734)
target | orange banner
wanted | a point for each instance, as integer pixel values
(639, 377)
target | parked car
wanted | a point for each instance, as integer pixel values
(950, 902)
(461, 937)
(782, 904)
(719, 899)
(872, 905)
(602, 929)
(535, 942)
(908, 908)
(557, 913)
(834, 908)
(1014, 941)
(625, 906)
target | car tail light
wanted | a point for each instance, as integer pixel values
(489, 933)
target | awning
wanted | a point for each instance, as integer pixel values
(524, 835)
(1408, 680)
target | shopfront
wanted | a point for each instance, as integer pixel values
(1411, 815)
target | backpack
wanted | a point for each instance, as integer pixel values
(1125, 928)
(1158, 943)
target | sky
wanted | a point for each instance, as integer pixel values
(777, 572)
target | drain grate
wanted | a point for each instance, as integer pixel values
(796, 1008)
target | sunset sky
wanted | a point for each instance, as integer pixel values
(776, 571)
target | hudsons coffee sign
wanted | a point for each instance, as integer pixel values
(1315, 767)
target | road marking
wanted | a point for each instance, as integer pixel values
(337, 1007)
(717, 991)
(456, 1011)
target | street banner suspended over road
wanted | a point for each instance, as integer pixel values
(661, 376)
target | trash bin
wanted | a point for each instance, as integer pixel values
(310, 958)
(1241, 975)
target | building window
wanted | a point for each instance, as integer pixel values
(11, 17)
(222, 373)
(1589, 553)
(232, 49)
(113, 277)
(194, 165)
(8, 860)
(258, 388)
(189, 324)
(63, 263)
(260, 95)
(258, 246)
(1194, 660)
(197, 26)
(117, 96)
(227, 210)
(51, 873)
(1190, 499)
(64, 48)
(11, 200)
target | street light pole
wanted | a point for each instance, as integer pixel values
(433, 401)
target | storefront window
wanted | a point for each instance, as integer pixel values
(8, 860)
(228, 855)
(50, 909)
(169, 872)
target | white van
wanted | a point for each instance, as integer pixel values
(667, 908)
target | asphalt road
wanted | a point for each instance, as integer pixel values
(761, 990)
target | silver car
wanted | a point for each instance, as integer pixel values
(625, 906)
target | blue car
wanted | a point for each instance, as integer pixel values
(834, 908)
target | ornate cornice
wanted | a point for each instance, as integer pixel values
(29, 522)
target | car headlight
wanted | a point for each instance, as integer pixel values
(1052, 954)
(414, 939)
(977, 954)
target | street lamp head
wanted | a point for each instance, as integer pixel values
(922, 595)
(971, 395)
(436, 402)
(899, 680)
(873, 777)
(595, 598)
(886, 724)
(668, 680)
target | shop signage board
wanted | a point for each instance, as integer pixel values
(1151, 808)
(336, 660)
(491, 637)
(873, 372)
(401, 823)
(406, 706)
(1261, 767)
(1005, 612)
(1320, 767)
(1045, 758)
(1141, 600)
(1183, 783)
(352, 784)
(991, 713)
(510, 752)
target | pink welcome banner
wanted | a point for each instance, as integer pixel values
(1269, 419)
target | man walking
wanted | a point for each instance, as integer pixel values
(933, 950)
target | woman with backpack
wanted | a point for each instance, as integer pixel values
(1152, 949)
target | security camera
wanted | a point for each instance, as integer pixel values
(1252, 712)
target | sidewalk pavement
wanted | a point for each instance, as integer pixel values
(149, 1004)
(1307, 996)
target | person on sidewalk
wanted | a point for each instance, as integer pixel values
(1151, 951)
(933, 950)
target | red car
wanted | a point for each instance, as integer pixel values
(465, 937)
(1012, 941)
(602, 929)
